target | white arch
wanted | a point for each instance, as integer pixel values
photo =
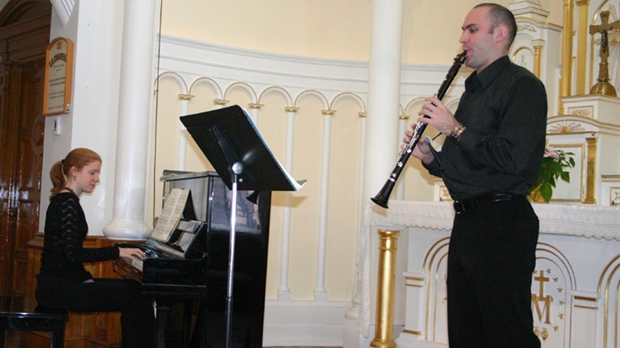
(276, 89)
(174, 76)
(348, 95)
(243, 85)
(315, 93)
(210, 82)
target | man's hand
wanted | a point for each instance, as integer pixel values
(421, 150)
(438, 116)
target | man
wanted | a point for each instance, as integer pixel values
(492, 158)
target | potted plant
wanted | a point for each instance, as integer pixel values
(554, 166)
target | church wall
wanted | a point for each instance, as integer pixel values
(325, 28)
(91, 121)
(291, 54)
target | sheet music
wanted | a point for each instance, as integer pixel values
(171, 214)
(297, 184)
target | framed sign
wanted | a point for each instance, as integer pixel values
(58, 75)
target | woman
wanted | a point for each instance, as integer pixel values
(63, 282)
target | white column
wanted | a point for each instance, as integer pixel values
(381, 147)
(183, 134)
(284, 292)
(383, 94)
(254, 112)
(320, 294)
(133, 121)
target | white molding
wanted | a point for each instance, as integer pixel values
(304, 323)
(63, 9)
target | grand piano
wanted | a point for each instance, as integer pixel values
(190, 270)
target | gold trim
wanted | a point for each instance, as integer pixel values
(313, 92)
(442, 240)
(427, 268)
(582, 40)
(384, 322)
(615, 343)
(361, 114)
(537, 59)
(583, 180)
(606, 270)
(328, 112)
(291, 109)
(585, 132)
(567, 50)
(437, 281)
(414, 286)
(537, 23)
(58, 77)
(583, 298)
(421, 279)
(522, 63)
(221, 102)
(278, 89)
(413, 332)
(209, 82)
(592, 146)
(255, 105)
(243, 85)
(586, 307)
(561, 257)
(183, 96)
(582, 111)
(591, 121)
(604, 288)
(350, 95)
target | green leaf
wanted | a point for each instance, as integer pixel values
(546, 192)
(571, 161)
(550, 182)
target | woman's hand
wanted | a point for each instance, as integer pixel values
(131, 252)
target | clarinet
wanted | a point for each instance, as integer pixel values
(382, 197)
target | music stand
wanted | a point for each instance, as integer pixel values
(233, 145)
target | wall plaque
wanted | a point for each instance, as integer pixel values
(58, 74)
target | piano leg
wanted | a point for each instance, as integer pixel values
(163, 309)
(187, 322)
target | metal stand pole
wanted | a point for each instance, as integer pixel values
(237, 168)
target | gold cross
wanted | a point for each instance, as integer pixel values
(542, 280)
(603, 86)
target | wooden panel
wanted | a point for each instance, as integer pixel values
(28, 166)
(24, 34)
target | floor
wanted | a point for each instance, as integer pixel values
(11, 343)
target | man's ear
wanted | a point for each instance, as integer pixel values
(500, 33)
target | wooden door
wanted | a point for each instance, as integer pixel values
(24, 35)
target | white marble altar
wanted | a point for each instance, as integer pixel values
(575, 289)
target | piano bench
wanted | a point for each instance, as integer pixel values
(42, 319)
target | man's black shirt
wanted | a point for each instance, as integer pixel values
(504, 109)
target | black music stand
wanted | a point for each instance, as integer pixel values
(231, 142)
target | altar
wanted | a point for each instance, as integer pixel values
(575, 286)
